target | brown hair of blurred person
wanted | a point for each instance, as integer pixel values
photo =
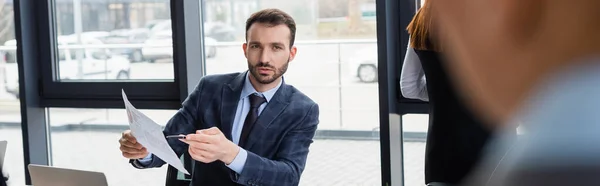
(421, 29)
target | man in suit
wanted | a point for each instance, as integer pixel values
(534, 62)
(247, 128)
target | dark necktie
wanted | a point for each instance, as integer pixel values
(255, 102)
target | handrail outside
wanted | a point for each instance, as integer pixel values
(223, 44)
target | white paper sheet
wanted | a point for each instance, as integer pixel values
(150, 135)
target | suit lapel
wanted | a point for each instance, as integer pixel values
(273, 109)
(229, 102)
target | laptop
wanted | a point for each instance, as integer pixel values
(42, 175)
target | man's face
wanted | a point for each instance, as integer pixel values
(268, 51)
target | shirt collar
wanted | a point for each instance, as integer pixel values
(249, 89)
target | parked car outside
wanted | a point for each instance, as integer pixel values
(158, 46)
(363, 64)
(128, 36)
(96, 64)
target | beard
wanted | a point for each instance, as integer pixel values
(267, 79)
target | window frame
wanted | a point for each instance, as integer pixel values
(145, 94)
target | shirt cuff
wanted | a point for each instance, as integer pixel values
(239, 161)
(146, 160)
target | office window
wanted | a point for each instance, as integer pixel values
(87, 139)
(96, 48)
(336, 66)
(118, 41)
(10, 118)
(102, 47)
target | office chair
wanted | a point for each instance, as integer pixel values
(176, 178)
(3, 179)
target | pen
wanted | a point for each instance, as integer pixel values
(179, 136)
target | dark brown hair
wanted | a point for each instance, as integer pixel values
(421, 29)
(273, 17)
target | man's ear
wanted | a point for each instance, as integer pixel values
(245, 48)
(293, 51)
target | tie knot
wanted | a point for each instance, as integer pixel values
(256, 100)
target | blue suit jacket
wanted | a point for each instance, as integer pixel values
(277, 146)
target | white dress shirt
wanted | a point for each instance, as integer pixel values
(413, 83)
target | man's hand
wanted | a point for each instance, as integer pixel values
(130, 147)
(210, 145)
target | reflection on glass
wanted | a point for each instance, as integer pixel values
(117, 40)
(336, 66)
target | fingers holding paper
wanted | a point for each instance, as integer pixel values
(130, 148)
(210, 145)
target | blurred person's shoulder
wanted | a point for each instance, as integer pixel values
(560, 143)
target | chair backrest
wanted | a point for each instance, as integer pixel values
(3, 178)
(3, 145)
(176, 178)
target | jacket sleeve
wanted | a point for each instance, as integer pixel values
(185, 121)
(289, 162)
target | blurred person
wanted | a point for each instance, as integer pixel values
(537, 62)
(456, 136)
(220, 112)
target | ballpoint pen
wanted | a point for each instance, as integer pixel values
(179, 136)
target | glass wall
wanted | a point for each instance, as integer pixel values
(101, 41)
(107, 40)
(10, 118)
(336, 63)
(336, 66)
(414, 127)
(114, 40)
(87, 139)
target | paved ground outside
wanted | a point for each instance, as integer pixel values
(330, 162)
